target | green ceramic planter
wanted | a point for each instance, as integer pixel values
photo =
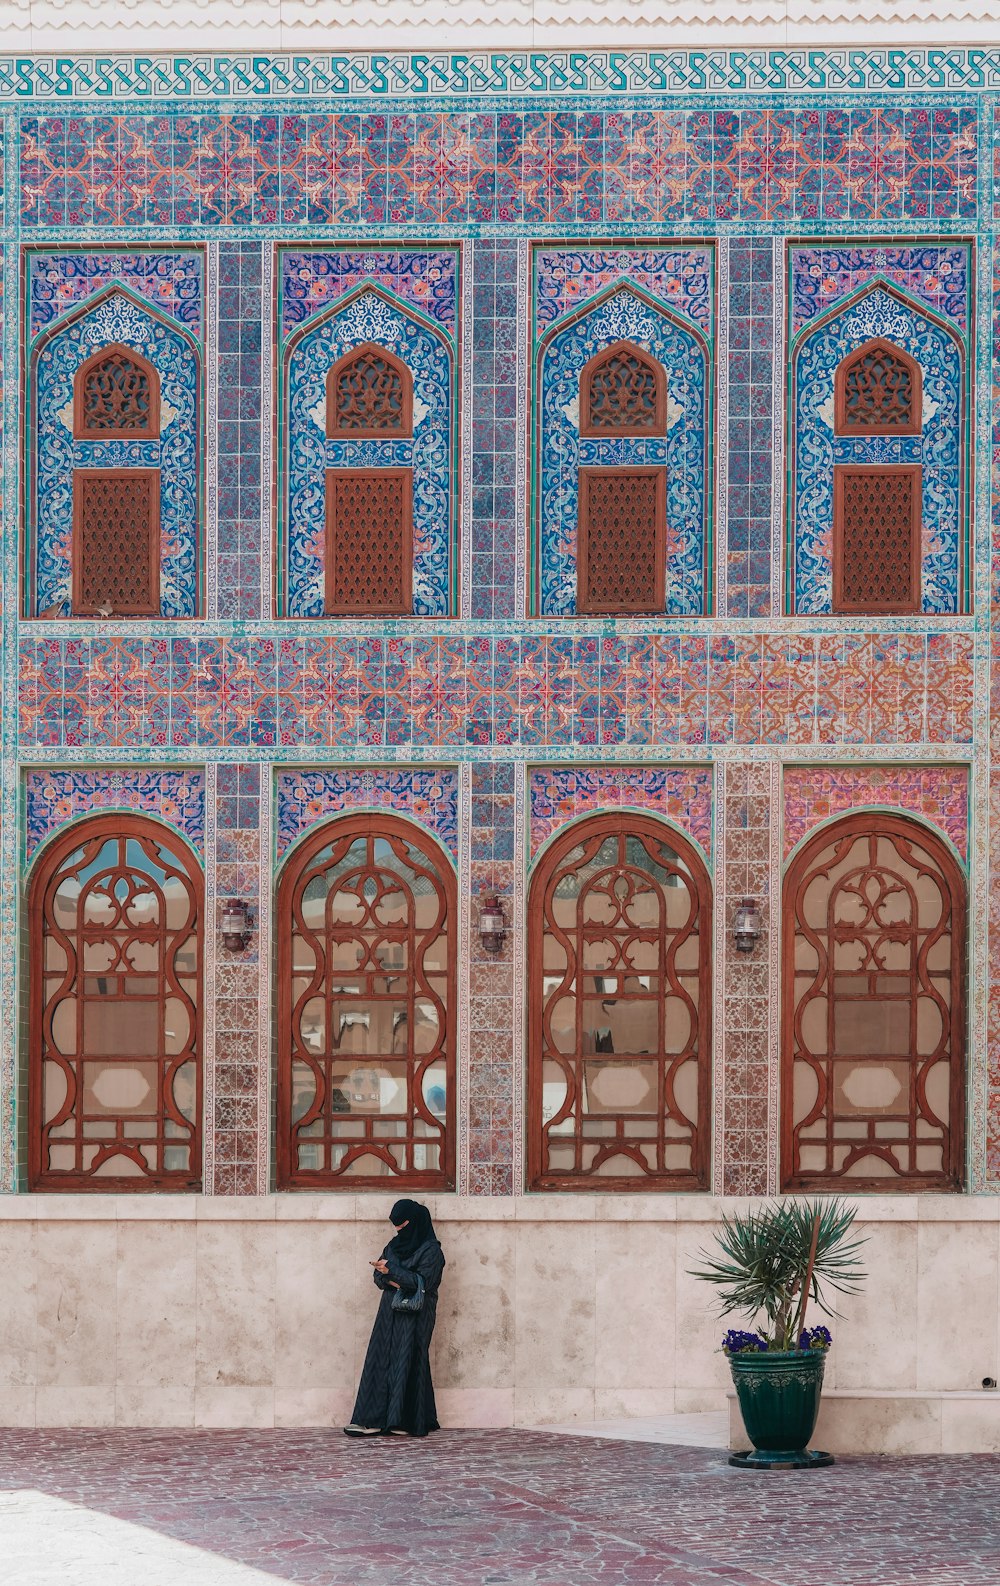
(779, 1400)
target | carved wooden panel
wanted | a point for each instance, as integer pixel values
(369, 395)
(115, 920)
(619, 1009)
(116, 396)
(366, 1002)
(873, 1043)
(621, 540)
(369, 541)
(878, 392)
(116, 542)
(877, 516)
(623, 391)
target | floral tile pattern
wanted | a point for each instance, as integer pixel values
(812, 794)
(682, 793)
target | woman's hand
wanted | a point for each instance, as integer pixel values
(381, 1265)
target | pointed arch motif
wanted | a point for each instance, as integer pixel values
(873, 1089)
(623, 391)
(619, 1009)
(367, 932)
(121, 431)
(878, 391)
(879, 434)
(115, 926)
(369, 395)
(116, 396)
(621, 506)
(371, 468)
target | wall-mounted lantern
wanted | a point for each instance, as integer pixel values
(236, 925)
(747, 926)
(492, 928)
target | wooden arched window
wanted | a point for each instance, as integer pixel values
(878, 391)
(116, 511)
(115, 923)
(623, 391)
(873, 1042)
(619, 1009)
(116, 396)
(369, 395)
(622, 509)
(369, 511)
(366, 1003)
(877, 507)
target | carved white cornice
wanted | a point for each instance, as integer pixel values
(66, 26)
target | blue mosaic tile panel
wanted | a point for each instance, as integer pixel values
(495, 336)
(54, 798)
(877, 308)
(749, 378)
(571, 167)
(307, 797)
(242, 525)
(360, 309)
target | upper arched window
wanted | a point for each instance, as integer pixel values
(619, 1009)
(622, 509)
(369, 511)
(115, 921)
(877, 506)
(623, 391)
(369, 395)
(366, 1004)
(873, 1049)
(116, 396)
(878, 391)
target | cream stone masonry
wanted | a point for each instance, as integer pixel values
(428, 25)
(218, 1311)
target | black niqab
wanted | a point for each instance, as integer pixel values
(419, 1228)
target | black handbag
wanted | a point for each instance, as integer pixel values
(410, 1304)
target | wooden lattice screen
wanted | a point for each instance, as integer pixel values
(114, 1096)
(116, 396)
(873, 972)
(369, 554)
(367, 937)
(622, 540)
(369, 395)
(623, 391)
(116, 542)
(619, 1009)
(878, 392)
(876, 538)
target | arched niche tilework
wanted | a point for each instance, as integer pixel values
(627, 314)
(114, 316)
(879, 312)
(310, 451)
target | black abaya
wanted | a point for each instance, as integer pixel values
(396, 1388)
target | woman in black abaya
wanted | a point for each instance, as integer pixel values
(396, 1393)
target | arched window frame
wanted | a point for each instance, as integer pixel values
(597, 828)
(97, 829)
(387, 826)
(591, 431)
(848, 828)
(405, 429)
(842, 420)
(150, 431)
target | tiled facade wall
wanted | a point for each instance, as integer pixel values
(498, 700)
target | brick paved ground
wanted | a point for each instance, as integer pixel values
(476, 1509)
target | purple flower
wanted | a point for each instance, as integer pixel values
(737, 1342)
(815, 1338)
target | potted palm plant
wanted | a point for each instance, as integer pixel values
(769, 1264)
